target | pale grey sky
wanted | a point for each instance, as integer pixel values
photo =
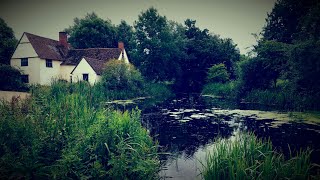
(235, 19)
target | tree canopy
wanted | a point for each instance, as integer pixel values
(92, 31)
(288, 52)
(163, 50)
(7, 42)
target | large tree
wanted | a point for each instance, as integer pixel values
(288, 52)
(7, 42)
(91, 32)
(203, 51)
(289, 18)
(158, 47)
(126, 34)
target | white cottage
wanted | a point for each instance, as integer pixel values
(42, 59)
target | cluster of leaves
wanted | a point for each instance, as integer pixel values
(63, 132)
(218, 73)
(95, 32)
(7, 42)
(121, 80)
(11, 80)
(287, 52)
(184, 52)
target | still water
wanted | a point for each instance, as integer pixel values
(186, 128)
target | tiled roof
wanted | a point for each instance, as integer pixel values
(51, 49)
(47, 48)
(75, 55)
(96, 64)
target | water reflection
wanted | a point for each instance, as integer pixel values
(186, 128)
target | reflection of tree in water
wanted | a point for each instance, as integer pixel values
(177, 137)
(294, 135)
(185, 138)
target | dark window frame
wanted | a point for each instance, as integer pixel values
(85, 77)
(25, 78)
(24, 62)
(49, 63)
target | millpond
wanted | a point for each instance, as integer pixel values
(186, 128)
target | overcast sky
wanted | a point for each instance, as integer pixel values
(235, 19)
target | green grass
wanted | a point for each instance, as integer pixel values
(308, 116)
(283, 99)
(65, 132)
(247, 157)
(221, 90)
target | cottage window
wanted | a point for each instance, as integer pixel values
(25, 78)
(85, 77)
(24, 61)
(48, 63)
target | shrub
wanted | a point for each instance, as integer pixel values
(11, 79)
(158, 91)
(122, 80)
(218, 74)
(246, 157)
(223, 90)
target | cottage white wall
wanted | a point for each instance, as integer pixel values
(123, 55)
(65, 71)
(84, 68)
(33, 69)
(47, 74)
(24, 49)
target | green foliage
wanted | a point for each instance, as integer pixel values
(288, 52)
(63, 132)
(11, 80)
(224, 90)
(121, 80)
(254, 75)
(159, 47)
(125, 33)
(92, 31)
(158, 91)
(291, 20)
(305, 65)
(218, 74)
(7, 42)
(246, 157)
(203, 50)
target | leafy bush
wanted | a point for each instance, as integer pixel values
(224, 90)
(121, 80)
(246, 157)
(218, 74)
(11, 79)
(158, 91)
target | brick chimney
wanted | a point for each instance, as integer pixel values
(63, 39)
(121, 45)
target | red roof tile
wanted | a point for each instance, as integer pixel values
(47, 48)
(75, 55)
(96, 64)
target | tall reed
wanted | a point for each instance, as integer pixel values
(247, 157)
(64, 132)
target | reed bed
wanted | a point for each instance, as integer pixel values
(64, 132)
(247, 157)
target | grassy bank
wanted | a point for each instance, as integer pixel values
(221, 90)
(246, 157)
(64, 131)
